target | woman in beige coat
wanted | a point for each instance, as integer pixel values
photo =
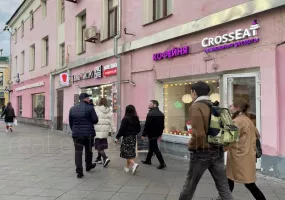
(241, 157)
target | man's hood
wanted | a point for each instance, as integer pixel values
(104, 109)
(204, 99)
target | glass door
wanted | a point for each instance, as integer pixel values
(245, 86)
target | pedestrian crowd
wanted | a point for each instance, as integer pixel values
(215, 130)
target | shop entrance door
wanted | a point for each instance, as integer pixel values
(60, 110)
(245, 86)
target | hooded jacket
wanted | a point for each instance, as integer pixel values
(200, 115)
(106, 123)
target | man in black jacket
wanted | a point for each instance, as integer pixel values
(82, 118)
(153, 129)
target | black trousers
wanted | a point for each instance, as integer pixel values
(199, 163)
(153, 148)
(251, 187)
(79, 144)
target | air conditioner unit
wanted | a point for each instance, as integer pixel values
(92, 34)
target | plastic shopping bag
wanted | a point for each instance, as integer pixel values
(15, 122)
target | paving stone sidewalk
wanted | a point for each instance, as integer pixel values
(38, 164)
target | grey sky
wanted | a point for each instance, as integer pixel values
(7, 8)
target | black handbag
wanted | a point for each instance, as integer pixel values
(258, 149)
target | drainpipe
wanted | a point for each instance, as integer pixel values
(51, 90)
(10, 71)
(117, 37)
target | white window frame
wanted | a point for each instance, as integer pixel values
(15, 35)
(44, 8)
(32, 20)
(62, 11)
(16, 66)
(32, 57)
(45, 51)
(80, 36)
(23, 28)
(22, 70)
(62, 55)
(148, 14)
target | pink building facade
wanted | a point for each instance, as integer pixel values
(235, 46)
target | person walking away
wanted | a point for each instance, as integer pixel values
(129, 129)
(91, 102)
(153, 129)
(102, 128)
(9, 116)
(203, 156)
(82, 118)
(241, 156)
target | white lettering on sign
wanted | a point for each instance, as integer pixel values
(34, 85)
(239, 34)
(111, 66)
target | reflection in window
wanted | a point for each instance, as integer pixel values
(113, 14)
(98, 92)
(39, 106)
(20, 106)
(177, 101)
(1, 79)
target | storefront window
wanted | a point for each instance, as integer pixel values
(20, 106)
(98, 92)
(177, 101)
(39, 105)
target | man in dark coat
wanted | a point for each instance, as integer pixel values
(82, 118)
(153, 129)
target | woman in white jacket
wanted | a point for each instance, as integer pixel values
(103, 127)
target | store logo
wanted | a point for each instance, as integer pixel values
(96, 73)
(171, 53)
(110, 70)
(64, 79)
(239, 34)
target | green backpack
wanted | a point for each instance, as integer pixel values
(222, 131)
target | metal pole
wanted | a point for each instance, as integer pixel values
(10, 62)
(51, 79)
(117, 37)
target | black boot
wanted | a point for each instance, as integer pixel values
(146, 162)
(92, 166)
(161, 166)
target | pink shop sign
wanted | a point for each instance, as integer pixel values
(172, 53)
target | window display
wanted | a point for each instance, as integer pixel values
(177, 101)
(102, 91)
(39, 105)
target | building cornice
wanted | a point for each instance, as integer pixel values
(216, 19)
(24, 5)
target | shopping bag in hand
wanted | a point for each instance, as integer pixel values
(15, 122)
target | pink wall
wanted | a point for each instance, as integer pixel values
(280, 59)
(27, 105)
(42, 28)
(138, 65)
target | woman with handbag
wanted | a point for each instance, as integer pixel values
(10, 116)
(241, 156)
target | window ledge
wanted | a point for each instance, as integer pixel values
(179, 139)
(109, 38)
(44, 66)
(83, 52)
(160, 19)
(32, 70)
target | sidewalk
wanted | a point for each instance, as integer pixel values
(38, 164)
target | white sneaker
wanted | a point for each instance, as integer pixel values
(126, 169)
(106, 163)
(6, 130)
(135, 167)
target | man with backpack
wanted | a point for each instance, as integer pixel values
(203, 155)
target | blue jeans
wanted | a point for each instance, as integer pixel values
(199, 163)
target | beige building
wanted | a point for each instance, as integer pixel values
(4, 78)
